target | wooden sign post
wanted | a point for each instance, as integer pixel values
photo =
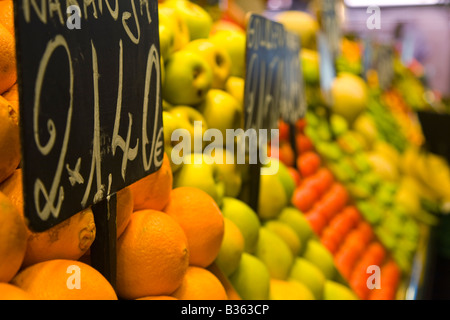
(262, 95)
(90, 105)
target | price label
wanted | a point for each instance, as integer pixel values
(265, 72)
(293, 105)
(90, 102)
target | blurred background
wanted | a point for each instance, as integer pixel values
(418, 28)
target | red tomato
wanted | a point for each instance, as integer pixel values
(308, 163)
(300, 125)
(341, 224)
(321, 181)
(304, 198)
(352, 213)
(330, 239)
(284, 129)
(303, 143)
(286, 154)
(316, 221)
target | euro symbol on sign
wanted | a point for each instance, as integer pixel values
(74, 18)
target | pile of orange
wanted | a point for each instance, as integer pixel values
(167, 239)
(328, 207)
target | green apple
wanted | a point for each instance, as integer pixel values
(245, 219)
(321, 257)
(188, 117)
(287, 233)
(171, 21)
(166, 35)
(350, 96)
(198, 20)
(309, 274)
(188, 79)
(301, 23)
(275, 253)
(166, 106)
(231, 249)
(272, 197)
(236, 87)
(333, 290)
(235, 43)
(298, 222)
(338, 124)
(197, 171)
(251, 280)
(170, 124)
(217, 58)
(228, 172)
(222, 111)
(310, 61)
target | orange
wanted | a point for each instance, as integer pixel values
(13, 239)
(200, 284)
(157, 298)
(124, 209)
(11, 292)
(10, 153)
(8, 72)
(12, 188)
(70, 239)
(12, 96)
(7, 15)
(153, 191)
(152, 256)
(202, 221)
(64, 280)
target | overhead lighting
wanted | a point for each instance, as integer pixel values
(392, 3)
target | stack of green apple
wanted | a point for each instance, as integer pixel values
(357, 159)
(277, 259)
(203, 82)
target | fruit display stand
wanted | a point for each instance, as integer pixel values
(347, 215)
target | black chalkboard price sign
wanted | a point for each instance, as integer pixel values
(264, 72)
(265, 58)
(89, 85)
(90, 105)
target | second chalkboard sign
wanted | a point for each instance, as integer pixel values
(265, 72)
(90, 103)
